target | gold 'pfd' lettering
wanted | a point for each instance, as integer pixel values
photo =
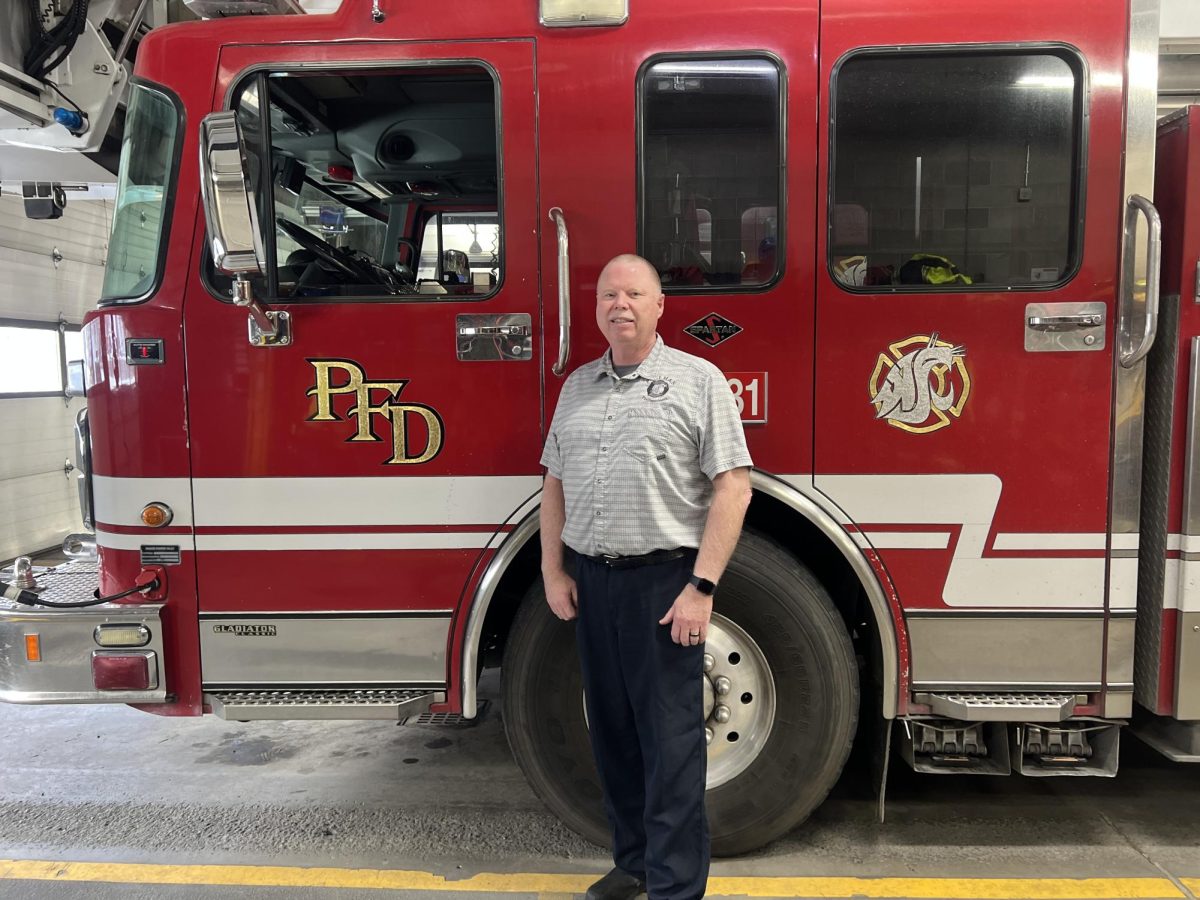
(372, 399)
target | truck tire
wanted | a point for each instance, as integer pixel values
(791, 703)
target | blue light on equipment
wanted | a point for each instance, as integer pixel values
(70, 119)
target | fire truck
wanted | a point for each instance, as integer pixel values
(355, 256)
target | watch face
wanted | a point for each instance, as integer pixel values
(703, 585)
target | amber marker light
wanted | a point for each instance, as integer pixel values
(156, 515)
(33, 648)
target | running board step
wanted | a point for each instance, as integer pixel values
(390, 705)
(1001, 707)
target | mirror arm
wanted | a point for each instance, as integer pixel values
(243, 296)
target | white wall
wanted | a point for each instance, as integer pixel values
(1180, 19)
(38, 502)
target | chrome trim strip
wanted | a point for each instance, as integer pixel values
(761, 482)
(1129, 382)
(482, 599)
(992, 687)
(1191, 465)
(1187, 667)
(333, 614)
(328, 651)
(1015, 649)
(1016, 613)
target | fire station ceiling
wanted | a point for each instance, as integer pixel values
(386, 134)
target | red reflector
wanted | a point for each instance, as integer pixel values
(121, 673)
(338, 172)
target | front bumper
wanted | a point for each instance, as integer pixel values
(67, 644)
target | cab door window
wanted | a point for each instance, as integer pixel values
(359, 162)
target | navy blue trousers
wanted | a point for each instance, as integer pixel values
(645, 706)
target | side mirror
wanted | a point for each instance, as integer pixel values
(232, 220)
(229, 208)
(75, 381)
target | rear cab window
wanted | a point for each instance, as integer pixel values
(956, 170)
(711, 184)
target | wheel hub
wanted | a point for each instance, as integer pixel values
(739, 700)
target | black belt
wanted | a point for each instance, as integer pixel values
(644, 559)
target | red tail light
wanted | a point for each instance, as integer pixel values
(124, 671)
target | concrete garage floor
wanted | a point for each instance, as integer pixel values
(297, 804)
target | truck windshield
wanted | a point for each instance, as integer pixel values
(148, 154)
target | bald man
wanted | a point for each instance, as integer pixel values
(647, 481)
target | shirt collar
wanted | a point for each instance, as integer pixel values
(650, 367)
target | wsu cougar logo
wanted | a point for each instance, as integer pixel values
(376, 400)
(921, 384)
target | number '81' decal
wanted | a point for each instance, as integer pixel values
(750, 392)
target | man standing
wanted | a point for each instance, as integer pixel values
(648, 482)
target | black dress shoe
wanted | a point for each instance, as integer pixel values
(616, 885)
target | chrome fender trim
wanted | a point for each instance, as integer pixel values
(761, 482)
(482, 599)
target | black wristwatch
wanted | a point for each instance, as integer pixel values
(703, 585)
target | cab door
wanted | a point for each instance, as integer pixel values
(966, 301)
(692, 144)
(349, 480)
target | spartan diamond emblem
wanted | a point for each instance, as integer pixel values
(713, 329)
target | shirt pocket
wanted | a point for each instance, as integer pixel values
(647, 434)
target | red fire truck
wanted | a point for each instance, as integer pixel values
(355, 256)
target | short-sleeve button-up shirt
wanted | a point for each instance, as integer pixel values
(637, 454)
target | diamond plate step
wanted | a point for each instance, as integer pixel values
(382, 704)
(453, 720)
(1001, 707)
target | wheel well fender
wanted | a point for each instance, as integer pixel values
(510, 571)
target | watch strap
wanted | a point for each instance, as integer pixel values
(703, 585)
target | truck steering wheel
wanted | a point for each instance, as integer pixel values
(326, 252)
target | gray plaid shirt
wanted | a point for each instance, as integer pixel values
(637, 455)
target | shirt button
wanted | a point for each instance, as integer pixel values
(603, 449)
(609, 418)
(598, 513)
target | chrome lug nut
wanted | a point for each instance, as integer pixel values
(722, 685)
(721, 714)
(708, 735)
(709, 662)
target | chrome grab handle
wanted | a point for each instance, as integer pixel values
(1063, 323)
(564, 293)
(1134, 205)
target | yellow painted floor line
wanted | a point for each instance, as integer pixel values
(533, 883)
(1192, 884)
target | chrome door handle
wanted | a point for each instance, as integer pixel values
(564, 292)
(1065, 323)
(493, 331)
(1139, 204)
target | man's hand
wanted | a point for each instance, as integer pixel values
(688, 617)
(561, 595)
